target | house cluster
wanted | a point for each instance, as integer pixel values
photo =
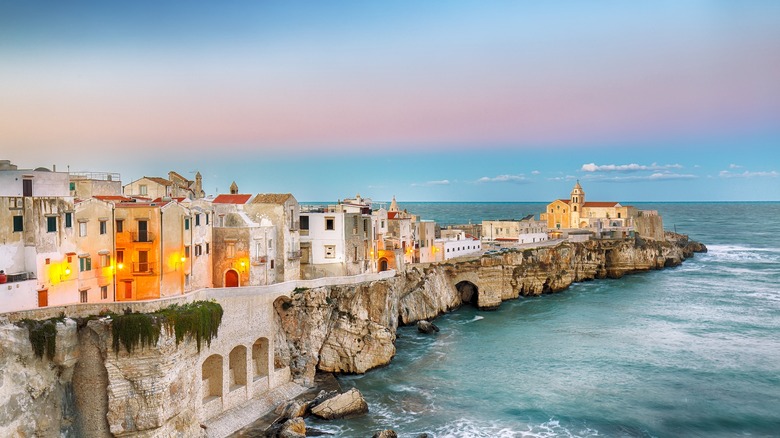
(83, 237)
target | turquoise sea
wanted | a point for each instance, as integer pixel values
(692, 351)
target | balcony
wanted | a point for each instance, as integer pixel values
(259, 260)
(294, 255)
(142, 236)
(149, 268)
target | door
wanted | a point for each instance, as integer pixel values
(231, 278)
(43, 298)
(382, 265)
(26, 187)
(143, 261)
(128, 290)
(143, 231)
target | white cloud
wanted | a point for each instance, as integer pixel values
(633, 167)
(657, 176)
(748, 174)
(535, 172)
(518, 179)
(562, 178)
(443, 182)
(734, 166)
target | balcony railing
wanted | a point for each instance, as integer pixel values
(144, 267)
(292, 255)
(259, 260)
(142, 236)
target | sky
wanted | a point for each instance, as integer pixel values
(425, 101)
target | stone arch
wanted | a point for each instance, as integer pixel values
(237, 367)
(260, 358)
(231, 278)
(584, 224)
(468, 291)
(383, 264)
(211, 373)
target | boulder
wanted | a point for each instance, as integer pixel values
(293, 428)
(387, 433)
(291, 409)
(427, 327)
(348, 404)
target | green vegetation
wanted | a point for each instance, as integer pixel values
(199, 319)
(43, 335)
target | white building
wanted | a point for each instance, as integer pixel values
(456, 243)
(525, 230)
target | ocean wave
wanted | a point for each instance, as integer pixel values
(738, 253)
(474, 429)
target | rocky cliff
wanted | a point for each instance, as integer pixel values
(351, 329)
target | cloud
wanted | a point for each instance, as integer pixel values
(535, 172)
(748, 174)
(562, 178)
(517, 179)
(443, 182)
(734, 166)
(633, 167)
(657, 176)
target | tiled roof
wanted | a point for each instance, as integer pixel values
(600, 204)
(117, 198)
(231, 199)
(158, 180)
(272, 198)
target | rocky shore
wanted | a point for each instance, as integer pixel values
(353, 329)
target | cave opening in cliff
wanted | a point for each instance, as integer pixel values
(469, 292)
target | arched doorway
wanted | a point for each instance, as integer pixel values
(382, 264)
(231, 278)
(469, 292)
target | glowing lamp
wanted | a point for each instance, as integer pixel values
(120, 265)
(67, 271)
(183, 259)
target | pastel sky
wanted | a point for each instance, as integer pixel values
(428, 101)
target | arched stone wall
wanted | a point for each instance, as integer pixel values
(260, 358)
(211, 372)
(237, 367)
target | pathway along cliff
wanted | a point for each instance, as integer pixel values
(352, 329)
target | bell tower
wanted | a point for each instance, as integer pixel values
(576, 202)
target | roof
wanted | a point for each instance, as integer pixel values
(117, 198)
(180, 176)
(168, 199)
(231, 199)
(272, 198)
(158, 180)
(600, 204)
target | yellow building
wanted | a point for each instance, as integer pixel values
(576, 213)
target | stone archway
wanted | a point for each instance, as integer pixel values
(468, 291)
(231, 278)
(382, 264)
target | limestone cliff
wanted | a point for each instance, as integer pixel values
(351, 329)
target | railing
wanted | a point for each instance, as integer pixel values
(19, 276)
(101, 176)
(292, 255)
(144, 267)
(259, 260)
(142, 236)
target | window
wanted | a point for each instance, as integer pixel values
(82, 296)
(105, 260)
(270, 243)
(142, 189)
(197, 220)
(207, 218)
(82, 229)
(187, 251)
(198, 250)
(231, 250)
(207, 247)
(68, 220)
(120, 256)
(272, 264)
(330, 251)
(120, 225)
(103, 227)
(27, 187)
(72, 186)
(51, 224)
(304, 222)
(186, 223)
(48, 261)
(85, 264)
(18, 224)
(330, 223)
(104, 292)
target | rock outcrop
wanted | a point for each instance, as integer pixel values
(348, 404)
(427, 327)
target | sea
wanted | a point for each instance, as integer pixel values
(691, 351)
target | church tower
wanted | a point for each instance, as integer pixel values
(234, 188)
(576, 202)
(198, 187)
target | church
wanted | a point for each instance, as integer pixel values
(575, 212)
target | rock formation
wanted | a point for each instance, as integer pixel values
(344, 405)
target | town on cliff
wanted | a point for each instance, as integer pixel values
(151, 309)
